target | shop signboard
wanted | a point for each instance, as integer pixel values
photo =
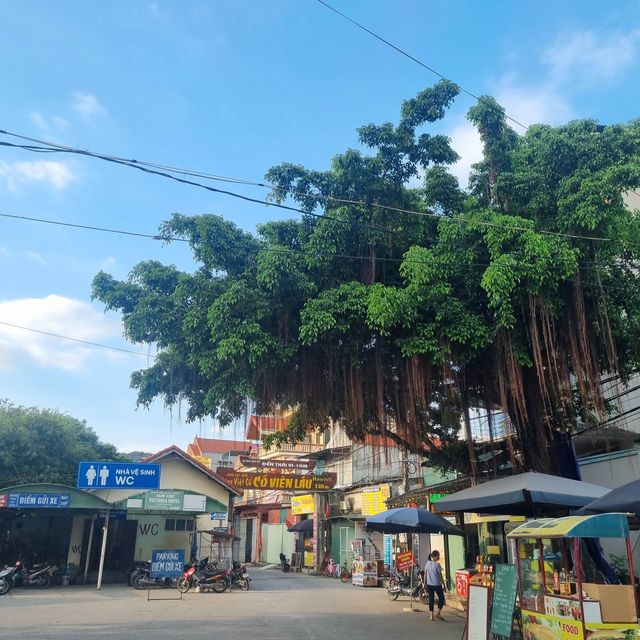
(117, 475)
(167, 564)
(374, 500)
(308, 558)
(404, 561)
(303, 504)
(504, 599)
(286, 465)
(3, 500)
(478, 613)
(219, 515)
(38, 501)
(174, 501)
(277, 480)
(544, 627)
(462, 584)
(387, 550)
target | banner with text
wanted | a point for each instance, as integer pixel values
(270, 481)
(286, 465)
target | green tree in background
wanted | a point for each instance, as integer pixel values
(42, 445)
(399, 302)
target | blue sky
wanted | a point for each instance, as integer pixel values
(233, 87)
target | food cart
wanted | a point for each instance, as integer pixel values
(559, 596)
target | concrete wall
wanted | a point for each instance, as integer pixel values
(151, 535)
(75, 541)
(613, 469)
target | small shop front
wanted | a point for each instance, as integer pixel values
(45, 523)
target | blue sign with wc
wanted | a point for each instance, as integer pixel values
(118, 475)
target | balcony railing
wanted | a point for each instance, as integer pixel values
(300, 448)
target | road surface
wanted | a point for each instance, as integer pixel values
(278, 607)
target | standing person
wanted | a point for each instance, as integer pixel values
(435, 584)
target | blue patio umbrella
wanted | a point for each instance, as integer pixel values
(411, 520)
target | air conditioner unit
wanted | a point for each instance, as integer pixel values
(345, 506)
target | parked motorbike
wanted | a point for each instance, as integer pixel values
(284, 563)
(400, 585)
(141, 579)
(134, 568)
(204, 576)
(39, 576)
(239, 576)
(5, 580)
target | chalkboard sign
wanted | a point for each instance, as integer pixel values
(478, 613)
(504, 599)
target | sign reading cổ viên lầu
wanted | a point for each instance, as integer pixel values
(287, 482)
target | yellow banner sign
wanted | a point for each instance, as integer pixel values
(302, 504)
(374, 500)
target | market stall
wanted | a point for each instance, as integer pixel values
(560, 592)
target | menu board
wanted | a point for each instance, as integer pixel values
(504, 599)
(478, 613)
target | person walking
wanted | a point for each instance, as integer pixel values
(435, 584)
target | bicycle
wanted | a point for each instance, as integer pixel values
(345, 573)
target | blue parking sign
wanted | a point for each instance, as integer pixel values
(167, 564)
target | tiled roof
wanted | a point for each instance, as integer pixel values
(202, 446)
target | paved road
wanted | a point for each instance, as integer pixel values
(279, 606)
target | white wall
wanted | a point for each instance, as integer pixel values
(611, 470)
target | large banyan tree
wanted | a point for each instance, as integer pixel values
(399, 303)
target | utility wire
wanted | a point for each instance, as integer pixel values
(413, 58)
(286, 250)
(152, 168)
(87, 342)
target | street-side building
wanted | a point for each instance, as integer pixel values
(216, 452)
(263, 517)
(170, 517)
(47, 523)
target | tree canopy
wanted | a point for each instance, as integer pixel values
(43, 445)
(398, 301)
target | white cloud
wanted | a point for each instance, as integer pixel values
(87, 104)
(53, 314)
(528, 105)
(61, 123)
(47, 124)
(57, 175)
(36, 257)
(588, 57)
(38, 120)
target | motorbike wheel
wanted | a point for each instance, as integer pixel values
(393, 590)
(285, 568)
(424, 596)
(243, 583)
(184, 584)
(46, 581)
(5, 586)
(219, 586)
(345, 576)
(140, 581)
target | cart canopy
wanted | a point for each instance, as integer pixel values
(523, 494)
(606, 525)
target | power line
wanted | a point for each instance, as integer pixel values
(413, 58)
(286, 250)
(151, 168)
(87, 342)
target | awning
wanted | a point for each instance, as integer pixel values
(624, 499)
(55, 498)
(608, 525)
(523, 494)
(306, 526)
